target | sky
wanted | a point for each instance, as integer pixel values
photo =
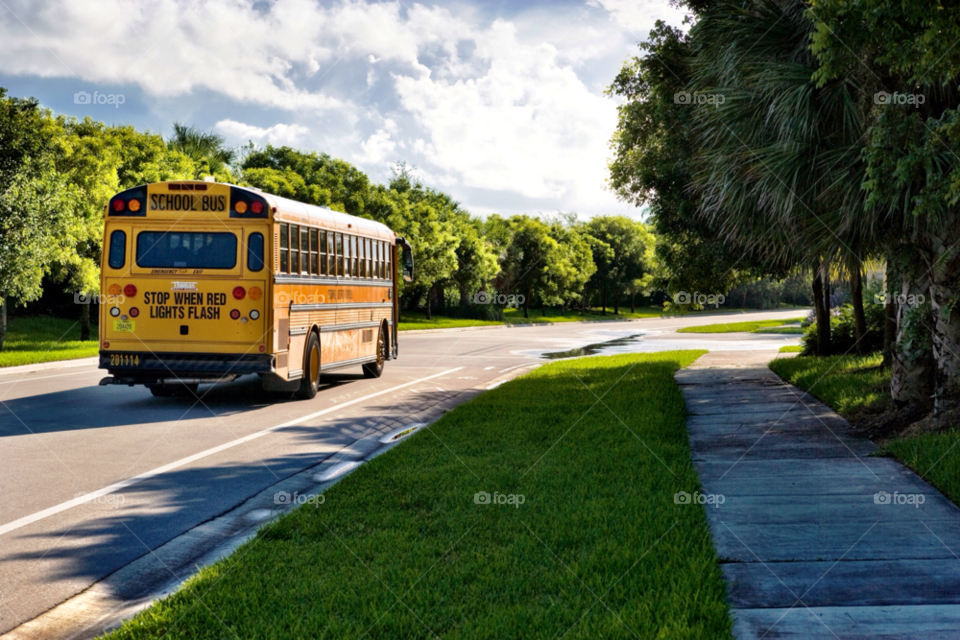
(499, 104)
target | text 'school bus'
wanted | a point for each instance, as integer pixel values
(206, 282)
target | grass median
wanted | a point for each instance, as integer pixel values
(598, 548)
(414, 320)
(857, 385)
(750, 326)
(43, 339)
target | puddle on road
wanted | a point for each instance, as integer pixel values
(610, 347)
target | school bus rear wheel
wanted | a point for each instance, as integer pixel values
(310, 382)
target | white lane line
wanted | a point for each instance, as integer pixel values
(72, 373)
(93, 495)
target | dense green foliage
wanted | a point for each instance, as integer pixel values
(785, 136)
(400, 549)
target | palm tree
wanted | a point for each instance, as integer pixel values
(201, 147)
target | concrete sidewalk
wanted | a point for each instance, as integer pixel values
(810, 545)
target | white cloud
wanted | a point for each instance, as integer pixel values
(279, 134)
(511, 106)
(640, 16)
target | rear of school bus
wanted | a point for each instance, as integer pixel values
(186, 263)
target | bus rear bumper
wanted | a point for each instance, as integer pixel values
(143, 367)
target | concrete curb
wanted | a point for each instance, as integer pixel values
(46, 366)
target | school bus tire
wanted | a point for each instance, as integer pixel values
(375, 369)
(310, 383)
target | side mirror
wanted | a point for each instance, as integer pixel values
(407, 262)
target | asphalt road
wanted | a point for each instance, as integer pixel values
(166, 465)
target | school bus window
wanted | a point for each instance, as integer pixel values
(362, 255)
(255, 252)
(284, 250)
(366, 244)
(304, 250)
(314, 255)
(339, 254)
(118, 249)
(186, 250)
(322, 268)
(347, 254)
(294, 249)
(355, 260)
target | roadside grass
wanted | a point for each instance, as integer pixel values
(750, 326)
(934, 456)
(791, 330)
(852, 385)
(792, 348)
(413, 320)
(45, 339)
(400, 548)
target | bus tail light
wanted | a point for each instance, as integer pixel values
(115, 290)
(115, 311)
(119, 205)
(235, 314)
(134, 205)
(130, 291)
(255, 293)
(262, 348)
(254, 315)
(239, 293)
(256, 207)
(106, 345)
(134, 312)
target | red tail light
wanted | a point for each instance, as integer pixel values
(256, 207)
(239, 293)
(134, 312)
(235, 314)
(129, 291)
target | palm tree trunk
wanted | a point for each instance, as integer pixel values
(856, 294)
(912, 370)
(944, 299)
(889, 313)
(821, 312)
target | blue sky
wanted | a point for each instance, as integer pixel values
(498, 103)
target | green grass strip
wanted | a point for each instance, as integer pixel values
(414, 320)
(792, 348)
(400, 548)
(751, 326)
(42, 339)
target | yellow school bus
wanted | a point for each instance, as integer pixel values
(215, 281)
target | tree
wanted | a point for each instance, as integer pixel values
(524, 266)
(906, 49)
(621, 255)
(654, 153)
(206, 150)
